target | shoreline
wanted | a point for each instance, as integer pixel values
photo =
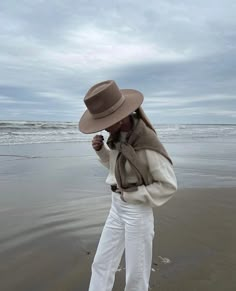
(195, 164)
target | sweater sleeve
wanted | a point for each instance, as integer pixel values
(163, 186)
(104, 156)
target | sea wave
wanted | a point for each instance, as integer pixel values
(28, 132)
(37, 124)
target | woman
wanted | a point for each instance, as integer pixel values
(140, 175)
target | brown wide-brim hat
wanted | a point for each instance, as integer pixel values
(106, 105)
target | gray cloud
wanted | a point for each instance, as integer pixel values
(180, 55)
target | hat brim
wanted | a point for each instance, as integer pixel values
(133, 100)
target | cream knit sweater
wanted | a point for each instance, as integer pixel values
(163, 182)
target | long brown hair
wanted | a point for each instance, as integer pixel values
(141, 114)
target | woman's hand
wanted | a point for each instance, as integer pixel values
(97, 142)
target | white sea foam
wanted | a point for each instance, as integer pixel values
(29, 132)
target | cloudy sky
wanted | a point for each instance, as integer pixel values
(180, 54)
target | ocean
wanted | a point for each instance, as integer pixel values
(34, 132)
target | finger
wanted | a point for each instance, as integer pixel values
(97, 145)
(97, 142)
(97, 148)
(98, 138)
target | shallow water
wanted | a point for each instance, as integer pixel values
(53, 187)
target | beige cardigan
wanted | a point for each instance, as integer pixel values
(163, 182)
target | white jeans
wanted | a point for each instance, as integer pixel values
(129, 227)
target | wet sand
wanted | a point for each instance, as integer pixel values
(51, 217)
(194, 249)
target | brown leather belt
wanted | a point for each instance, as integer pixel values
(115, 189)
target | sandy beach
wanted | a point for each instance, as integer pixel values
(51, 217)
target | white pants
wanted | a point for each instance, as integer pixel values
(129, 227)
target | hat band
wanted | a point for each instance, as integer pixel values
(110, 109)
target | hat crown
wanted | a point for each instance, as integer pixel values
(103, 98)
(106, 105)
